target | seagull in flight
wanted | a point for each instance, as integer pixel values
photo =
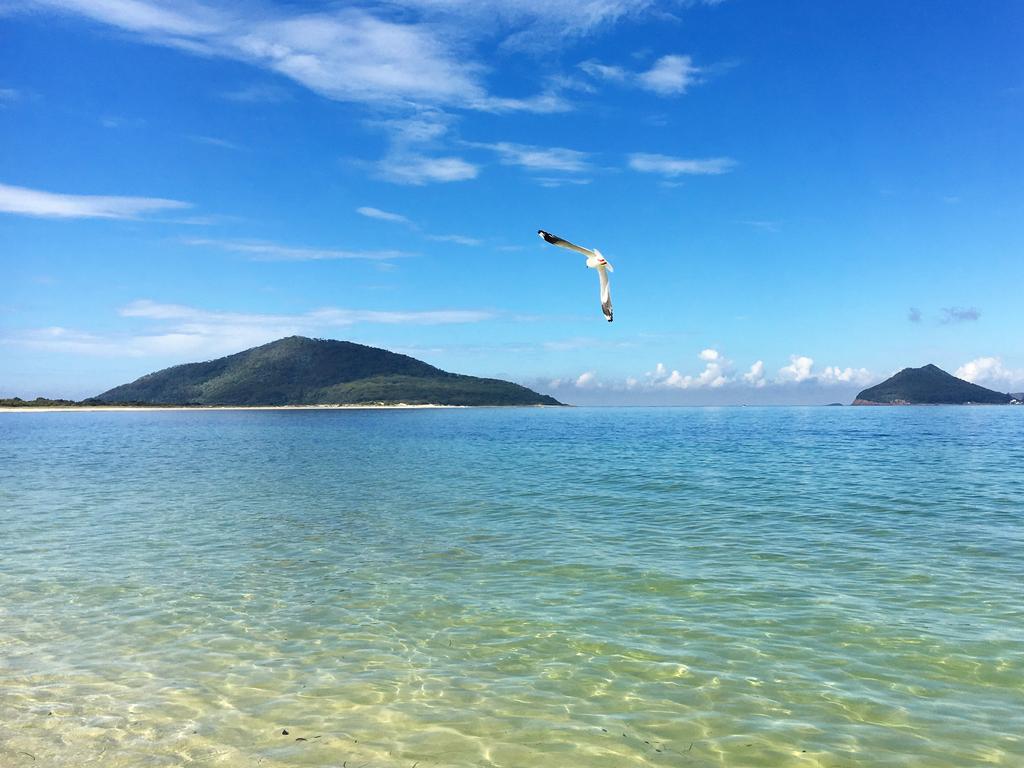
(595, 261)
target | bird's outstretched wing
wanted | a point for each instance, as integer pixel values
(556, 240)
(606, 294)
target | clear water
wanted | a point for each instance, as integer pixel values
(589, 587)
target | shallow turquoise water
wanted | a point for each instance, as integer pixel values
(526, 587)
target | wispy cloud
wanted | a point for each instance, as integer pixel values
(670, 75)
(264, 251)
(415, 142)
(181, 332)
(457, 239)
(960, 314)
(397, 218)
(325, 317)
(9, 96)
(548, 102)
(605, 71)
(559, 18)
(115, 122)
(376, 213)
(345, 53)
(539, 158)
(552, 182)
(763, 225)
(914, 315)
(678, 166)
(417, 170)
(33, 202)
(258, 93)
(212, 141)
(585, 342)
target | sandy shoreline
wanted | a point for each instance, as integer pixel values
(80, 408)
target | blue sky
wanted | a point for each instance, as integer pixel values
(799, 198)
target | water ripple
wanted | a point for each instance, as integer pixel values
(583, 587)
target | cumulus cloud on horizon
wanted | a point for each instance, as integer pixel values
(990, 372)
(719, 373)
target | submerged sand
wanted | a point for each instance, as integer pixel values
(54, 408)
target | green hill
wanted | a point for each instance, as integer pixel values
(301, 371)
(928, 385)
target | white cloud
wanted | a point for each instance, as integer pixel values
(263, 251)
(710, 355)
(539, 158)
(719, 383)
(836, 375)
(669, 75)
(8, 95)
(799, 369)
(678, 166)
(989, 371)
(377, 213)
(715, 374)
(755, 376)
(34, 202)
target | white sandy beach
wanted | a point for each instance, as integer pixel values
(80, 408)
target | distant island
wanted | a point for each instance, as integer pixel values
(300, 371)
(930, 385)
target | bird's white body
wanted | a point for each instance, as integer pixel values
(595, 261)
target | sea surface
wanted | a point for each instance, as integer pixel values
(544, 588)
